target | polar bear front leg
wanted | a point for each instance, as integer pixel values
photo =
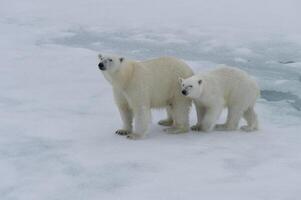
(125, 111)
(211, 116)
(142, 117)
(127, 119)
(200, 110)
(233, 118)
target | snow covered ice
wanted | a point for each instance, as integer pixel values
(58, 118)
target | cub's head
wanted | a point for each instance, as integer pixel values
(109, 63)
(192, 87)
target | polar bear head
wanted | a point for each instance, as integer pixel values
(192, 87)
(109, 63)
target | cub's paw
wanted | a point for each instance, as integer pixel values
(196, 127)
(134, 136)
(166, 122)
(122, 132)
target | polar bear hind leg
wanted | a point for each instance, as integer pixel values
(251, 118)
(142, 119)
(169, 121)
(180, 109)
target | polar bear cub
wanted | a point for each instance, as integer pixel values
(224, 87)
(140, 86)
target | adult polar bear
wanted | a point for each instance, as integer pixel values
(140, 86)
(224, 87)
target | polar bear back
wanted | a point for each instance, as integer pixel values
(236, 85)
(161, 77)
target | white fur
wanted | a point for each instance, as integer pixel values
(140, 86)
(224, 87)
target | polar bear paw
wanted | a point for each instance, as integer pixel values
(196, 127)
(134, 136)
(166, 122)
(122, 132)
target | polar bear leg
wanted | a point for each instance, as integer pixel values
(127, 118)
(142, 118)
(211, 116)
(251, 118)
(233, 118)
(180, 109)
(125, 113)
(169, 121)
(200, 111)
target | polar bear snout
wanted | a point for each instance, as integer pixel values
(184, 92)
(101, 66)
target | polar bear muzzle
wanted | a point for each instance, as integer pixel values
(101, 66)
(184, 92)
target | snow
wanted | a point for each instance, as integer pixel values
(57, 115)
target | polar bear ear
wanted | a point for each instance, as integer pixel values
(121, 59)
(99, 56)
(200, 82)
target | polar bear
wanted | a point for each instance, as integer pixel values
(140, 86)
(224, 87)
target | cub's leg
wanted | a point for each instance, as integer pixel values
(221, 127)
(200, 111)
(169, 121)
(251, 118)
(233, 118)
(211, 116)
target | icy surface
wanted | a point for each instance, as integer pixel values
(57, 115)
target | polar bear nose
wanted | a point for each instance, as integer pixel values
(101, 66)
(184, 92)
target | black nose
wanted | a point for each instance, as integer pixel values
(184, 92)
(101, 66)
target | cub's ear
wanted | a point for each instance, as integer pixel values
(121, 59)
(99, 56)
(180, 80)
(200, 82)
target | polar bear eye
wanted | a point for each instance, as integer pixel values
(110, 60)
(188, 87)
